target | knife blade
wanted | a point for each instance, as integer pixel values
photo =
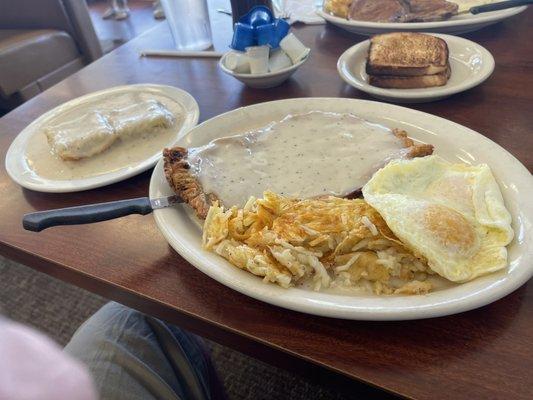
(501, 5)
(87, 214)
(164, 202)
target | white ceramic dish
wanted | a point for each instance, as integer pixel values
(471, 64)
(452, 142)
(456, 25)
(263, 81)
(19, 170)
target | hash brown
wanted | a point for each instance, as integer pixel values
(329, 241)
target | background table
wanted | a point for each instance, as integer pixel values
(487, 353)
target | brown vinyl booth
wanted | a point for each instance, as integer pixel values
(41, 43)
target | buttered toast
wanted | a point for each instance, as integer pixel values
(407, 54)
(410, 82)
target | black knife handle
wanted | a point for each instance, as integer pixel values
(38, 221)
(501, 5)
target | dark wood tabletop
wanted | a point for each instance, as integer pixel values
(481, 354)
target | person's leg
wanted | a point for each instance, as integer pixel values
(111, 11)
(133, 356)
(123, 11)
(158, 10)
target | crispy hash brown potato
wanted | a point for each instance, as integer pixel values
(330, 241)
(339, 8)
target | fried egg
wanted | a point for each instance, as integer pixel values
(451, 214)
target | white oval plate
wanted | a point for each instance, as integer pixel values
(452, 142)
(471, 64)
(20, 172)
(456, 25)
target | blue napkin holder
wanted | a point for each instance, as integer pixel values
(258, 27)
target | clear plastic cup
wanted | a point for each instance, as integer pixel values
(237, 62)
(278, 60)
(258, 58)
(295, 49)
(189, 23)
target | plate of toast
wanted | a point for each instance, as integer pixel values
(411, 67)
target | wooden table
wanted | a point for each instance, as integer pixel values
(487, 353)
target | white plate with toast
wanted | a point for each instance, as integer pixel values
(470, 64)
(31, 162)
(456, 25)
(452, 142)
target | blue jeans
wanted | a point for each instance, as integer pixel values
(136, 357)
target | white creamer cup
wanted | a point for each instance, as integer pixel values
(294, 48)
(237, 62)
(278, 60)
(258, 58)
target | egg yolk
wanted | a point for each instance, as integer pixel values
(450, 229)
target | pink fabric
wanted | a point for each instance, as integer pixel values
(33, 367)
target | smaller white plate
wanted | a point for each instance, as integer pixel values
(471, 64)
(16, 163)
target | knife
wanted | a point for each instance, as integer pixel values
(501, 5)
(88, 214)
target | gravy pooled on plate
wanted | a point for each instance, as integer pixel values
(102, 136)
(303, 155)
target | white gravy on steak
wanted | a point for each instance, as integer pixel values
(303, 155)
